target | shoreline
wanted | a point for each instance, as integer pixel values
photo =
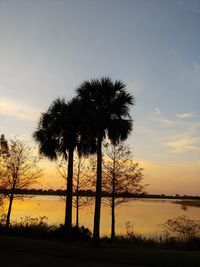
(40, 192)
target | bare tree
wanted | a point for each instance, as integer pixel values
(21, 168)
(81, 181)
(121, 176)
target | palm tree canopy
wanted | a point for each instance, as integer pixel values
(106, 108)
(58, 129)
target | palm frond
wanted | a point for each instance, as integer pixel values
(119, 130)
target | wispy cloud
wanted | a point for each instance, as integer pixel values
(184, 138)
(185, 144)
(186, 115)
(180, 135)
(169, 123)
(157, 111)
(166, 122)
(17, 110)
(175, 123)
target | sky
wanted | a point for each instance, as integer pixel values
(47, 48)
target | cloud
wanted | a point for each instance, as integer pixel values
(175, 123)
(157, 111)
(180, 136)
(184, 144)
(17, 110)
(185, 115)
(166, 122)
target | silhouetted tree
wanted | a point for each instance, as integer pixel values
(21, 170)
(121, 176)
(58, 134)
(106, 113)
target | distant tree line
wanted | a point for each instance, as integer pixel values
(91, 193)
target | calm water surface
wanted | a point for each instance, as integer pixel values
(144, 214)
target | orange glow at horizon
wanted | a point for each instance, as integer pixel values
(161, 178)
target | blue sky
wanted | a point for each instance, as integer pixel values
(48, 48)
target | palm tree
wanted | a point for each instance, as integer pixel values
(106, 112)
(58, 135)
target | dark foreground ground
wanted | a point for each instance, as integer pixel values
(24, 252)
(11, 258)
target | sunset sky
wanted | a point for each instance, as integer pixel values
(47, 48)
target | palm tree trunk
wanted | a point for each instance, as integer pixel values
(77, 210)
(68, 211)
(113, 198)
(9, 210)
(77, 191)
(97, 212)
(113, 219)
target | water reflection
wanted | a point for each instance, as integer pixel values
(144, 214)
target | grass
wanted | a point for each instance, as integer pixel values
(105, 253)
(42, 239)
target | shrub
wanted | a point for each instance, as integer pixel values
(182, 227)
(37, 227)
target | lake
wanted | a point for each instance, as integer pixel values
(145, 215)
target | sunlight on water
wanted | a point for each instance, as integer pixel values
(144, 214)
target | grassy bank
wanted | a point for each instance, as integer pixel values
(106, 253)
